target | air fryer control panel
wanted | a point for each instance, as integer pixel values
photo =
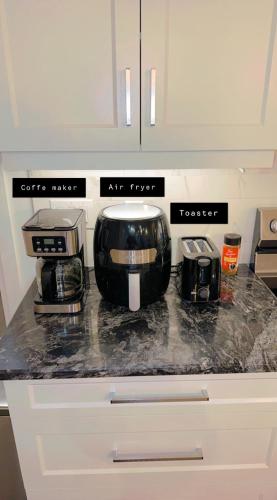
(49, 244)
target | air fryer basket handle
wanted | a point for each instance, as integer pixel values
(134, 291)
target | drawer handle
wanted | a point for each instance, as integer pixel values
(185, 398)
(196, 454)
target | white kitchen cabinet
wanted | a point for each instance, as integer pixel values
(214, 75)
(70, 435)
(65, 71)
(208, 74)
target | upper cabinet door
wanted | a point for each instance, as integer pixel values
(69, 75)
(213, 84)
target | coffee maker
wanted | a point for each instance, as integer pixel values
(56, 238)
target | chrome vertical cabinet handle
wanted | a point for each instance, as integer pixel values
(153, 74)
(128, 96)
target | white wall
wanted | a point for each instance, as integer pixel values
(17, 270)
(244, 191)
(20, 209)
(9, 281)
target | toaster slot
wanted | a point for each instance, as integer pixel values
(196, 245)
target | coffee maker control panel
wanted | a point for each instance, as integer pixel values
(48, 245)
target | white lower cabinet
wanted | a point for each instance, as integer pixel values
(150, 438)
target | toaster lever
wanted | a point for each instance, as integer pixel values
(203, 262)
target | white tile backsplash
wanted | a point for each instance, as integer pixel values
(243, 191)
(213, 187)
(259, 186)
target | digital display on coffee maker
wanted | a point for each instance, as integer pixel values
(49, 245)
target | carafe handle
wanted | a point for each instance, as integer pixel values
(48, 282)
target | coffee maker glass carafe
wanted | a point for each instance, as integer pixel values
(59, 279)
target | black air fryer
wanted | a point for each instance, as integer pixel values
(198, 276)
(132, 254)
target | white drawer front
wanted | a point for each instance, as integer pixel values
(161, 394)
(85, 454)
(156, 487)
(208, 418)
(65, 454)
(67, 433)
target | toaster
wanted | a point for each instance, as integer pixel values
(198, 273)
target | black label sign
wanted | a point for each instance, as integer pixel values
(58, 187)
(199, 213)
(132, 186)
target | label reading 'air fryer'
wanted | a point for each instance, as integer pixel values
(199, 213)
(132, 186)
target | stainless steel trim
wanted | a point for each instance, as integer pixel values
(58, 308)
(29, 227)
(273, 225)
(128, 96)
(183, 398)
(196, 454)
(74, 239)
(4, 410)
(71, 242)
(266, 217)
(153, 76)
(129, 257)
(266, 263)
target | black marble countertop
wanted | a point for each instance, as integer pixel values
(168, 337)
